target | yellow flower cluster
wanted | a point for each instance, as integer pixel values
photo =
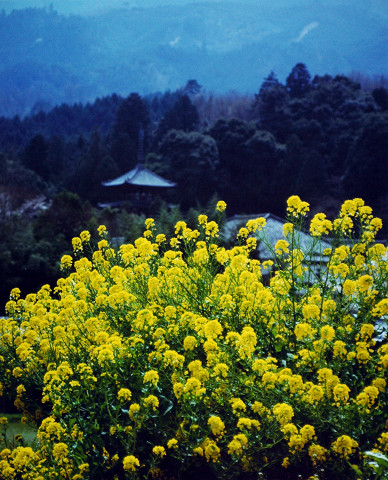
(296, 207)
(150, 357)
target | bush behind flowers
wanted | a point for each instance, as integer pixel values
(178, 358)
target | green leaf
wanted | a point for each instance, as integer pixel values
(379, 458)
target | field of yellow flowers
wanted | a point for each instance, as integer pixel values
(177, 358)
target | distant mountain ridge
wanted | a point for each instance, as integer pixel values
(51, 58)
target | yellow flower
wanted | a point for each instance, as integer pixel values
(380, 384)
(256, 224)
(221, 369)
(151, 401)
(237, 405)
(60, 452)
(367, 330)
(246, 344)
(286, 462)
(149, 223)
(221, 206)
(84, 467)
(303, 330)
(160, 238)
(365, 283)
(311, 311)
(85, 236)
(189, 343)
(238, 444)
(317, 453)
(20, 389)
(283, 413)
(339, 348)
(77, 244)
(383, 442)
(243, 233)
(124, 394)
(211, 451)
(289, 429)
(327, 333)
(130, 463)
(133, 409)
(344, 446)
(287, 229)
(101, 230)
(367, 397)
(363, 355)
(281, 247)
(66, 262)
(151, 376)
(320, 225)
(216, 425)
(296, 443)
(172, 443)
(15, 294)
(212, 329)
(341, 393)
(381, 308)
(159, 451)
(244, 423)
(178, 389)
(296, 207)
(211, 229)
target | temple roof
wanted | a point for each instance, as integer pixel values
(140, 176)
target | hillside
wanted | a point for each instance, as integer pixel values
(54, 58)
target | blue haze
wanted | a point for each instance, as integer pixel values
(76, 50)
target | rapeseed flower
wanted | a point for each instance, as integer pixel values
(130, 463)
(237, 363)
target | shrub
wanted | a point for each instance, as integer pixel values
(176, 359)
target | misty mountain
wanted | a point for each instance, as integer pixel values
(49, 57)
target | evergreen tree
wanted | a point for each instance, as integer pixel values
(183, 116)
(132, 116)
(269, 104)
(380, 96)
(366, 174)
(299, 80)
(191, 160)
(34, 156)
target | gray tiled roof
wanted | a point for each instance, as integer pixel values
(271, 233)
(140, 176)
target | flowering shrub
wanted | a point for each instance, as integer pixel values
(165, 359)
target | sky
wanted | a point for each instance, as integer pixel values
(95, 6)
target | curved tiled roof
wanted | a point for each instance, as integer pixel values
(140, 176)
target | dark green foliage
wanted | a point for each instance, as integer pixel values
(380, 96)
(192, 87)
(63, 220)
(95, 166)
(269, 103)
(132, 117)
(24, 262)
(190, 160)
(182, 116)
(248, 163)
(298, 81)
(366, 174)
(35, 156)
